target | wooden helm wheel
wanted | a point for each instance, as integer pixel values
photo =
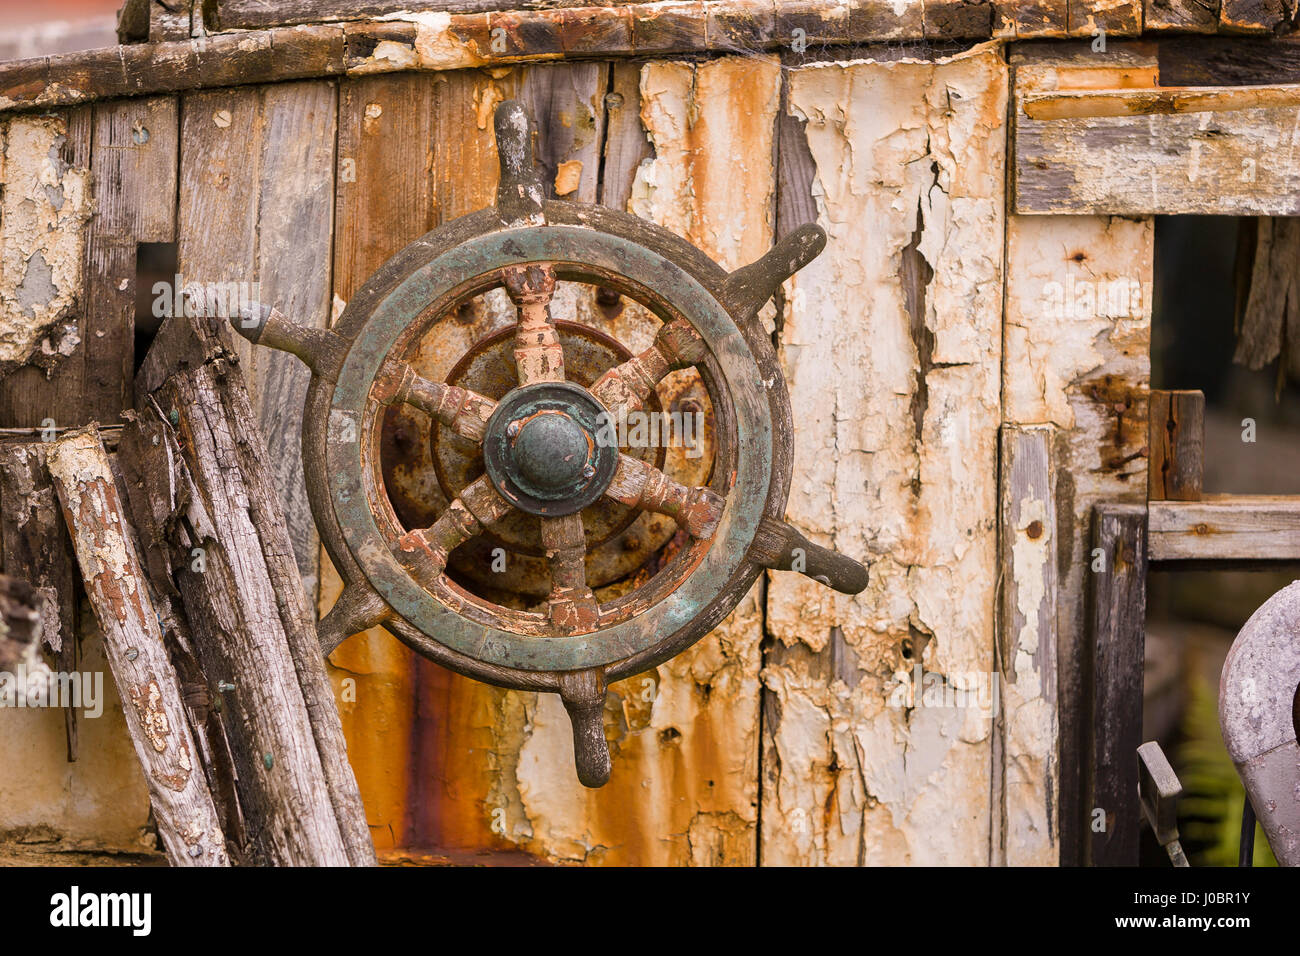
(544, 448)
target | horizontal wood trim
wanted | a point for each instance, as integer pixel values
(1225, 527)
(299, 40)
(1071, 104)
(1134, 152)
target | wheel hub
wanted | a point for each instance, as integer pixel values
(546, 451)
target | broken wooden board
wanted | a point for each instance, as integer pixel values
(256, 226)
(252, 628)
(1028, 746)
(183, 808)
(1225, 528)
(856, 767)
(1176, 464)
(1207, 151)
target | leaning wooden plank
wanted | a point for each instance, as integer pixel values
(1226, 527)
(848, 680)
(235, 570)
(1117, 622)
(1027, 647)
(1233, 157)
(182, 804)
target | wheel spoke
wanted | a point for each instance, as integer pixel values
(463, 411)
(625, 388)
(425, 552)
(641, 485)
(539, 357)
(573, 606)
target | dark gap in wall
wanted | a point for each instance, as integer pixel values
(156, 264)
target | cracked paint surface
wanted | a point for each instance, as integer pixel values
(45, 205)
(892, 347)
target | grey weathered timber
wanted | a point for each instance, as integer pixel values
(183, 807)
(1027, 554)
(1176, 465)
(266, 154)
(1117, 621)
(1208, 151)
(34, 546)
(1269, 324)
(253, 632)
(1226, 527)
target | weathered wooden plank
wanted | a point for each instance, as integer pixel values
(1183, 16)
(1038, 18)
(877, 468)
(1228, 61)
(1027, 554)
(1177, 444)
(1117, 627)
(1269, 323)
(258, 14)
(183, 808)
(252, 628)
(1251, 16)
(1231, 157)
(256, 221)
(1226, 527)
(1077, 334)
(1112, 18)
(45, 210)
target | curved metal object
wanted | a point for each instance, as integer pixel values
(1257, 714)
(540, 446)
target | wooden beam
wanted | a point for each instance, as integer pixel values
(1226, 527)
(1141, 152)
(183, 807)
(1117, 623)
(1176, 426)
(1027, 554)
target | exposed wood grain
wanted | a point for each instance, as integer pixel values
(258, 14)
(1228, 61)
(1027, 554)
(170, 20)
(252, 629)
(1183, 16)
(183, 807)
(1232, 158)
(256, 218)
(1251, 16)
(1226, 527)
(1113, 18)
(844, 688)
(1269, 324)
(1177, 445)
(1117, 628)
